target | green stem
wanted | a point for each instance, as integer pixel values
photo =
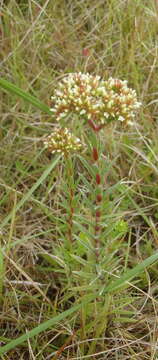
(70, 182)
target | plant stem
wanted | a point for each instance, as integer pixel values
(98, 194)
(70, 182)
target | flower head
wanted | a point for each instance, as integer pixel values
(61, 140)
(92, 98)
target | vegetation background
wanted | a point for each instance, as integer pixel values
(40, 41)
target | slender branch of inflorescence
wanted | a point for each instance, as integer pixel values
(61, 140)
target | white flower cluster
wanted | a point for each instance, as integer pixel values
(92, 98)
(62, 141)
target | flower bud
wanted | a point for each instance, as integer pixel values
(98, 179)
(95, 154)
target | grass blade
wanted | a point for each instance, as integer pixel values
(40, 328)
(130, 274)
(31, 191)
(13, 89)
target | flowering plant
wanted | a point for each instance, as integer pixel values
(94, 100)
(62, 141)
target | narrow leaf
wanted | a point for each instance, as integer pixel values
(40, 328)
(130, 274)
(28, 195)
(13, 89)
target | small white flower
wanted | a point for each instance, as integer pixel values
(106, 115)
(121, 118)
(82, 112)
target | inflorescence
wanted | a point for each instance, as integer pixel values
(61, 140)
(94, 99)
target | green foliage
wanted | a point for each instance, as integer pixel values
(54, 295)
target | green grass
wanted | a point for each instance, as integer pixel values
(56, 302)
